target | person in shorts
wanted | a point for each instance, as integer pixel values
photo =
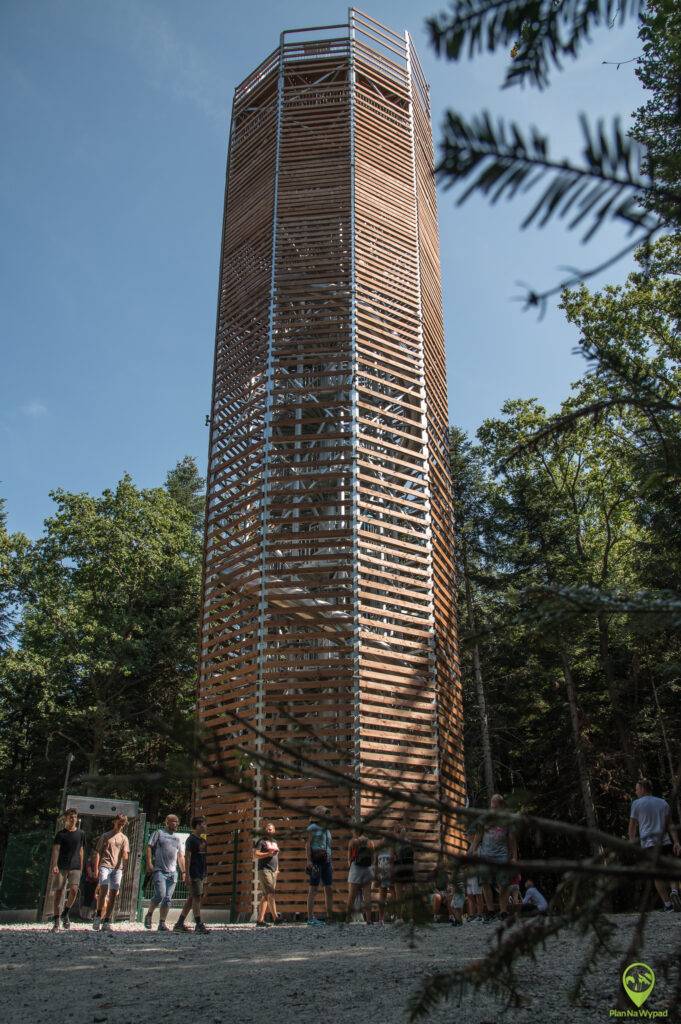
(360, 873)
(457, 901)
(66, 866)
(196, 868)
(318, 864)
(474, 902)
(650, 816)
(384, 877)
(404, 873)
(266, 854)
(164, 854)
(90, 890)
(442, 890)
(112, 852)
(514, 897)
(497, 843)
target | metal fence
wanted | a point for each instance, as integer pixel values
(24, 874)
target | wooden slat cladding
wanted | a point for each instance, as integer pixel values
(327, 619)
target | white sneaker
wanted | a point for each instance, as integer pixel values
(96, 922)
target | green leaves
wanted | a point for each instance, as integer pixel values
(105, 643)
(539, 34)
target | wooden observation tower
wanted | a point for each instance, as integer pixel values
(328, 607)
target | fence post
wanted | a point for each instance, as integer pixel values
(235, 852)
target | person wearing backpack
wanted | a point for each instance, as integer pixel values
(361, 873)
(318, 863)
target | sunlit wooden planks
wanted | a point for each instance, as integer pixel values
(328, 623)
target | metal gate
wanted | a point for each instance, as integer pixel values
(92, 811)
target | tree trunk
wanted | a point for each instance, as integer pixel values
(667, 748)
(479, 685)
(623, 734)
(582, 769)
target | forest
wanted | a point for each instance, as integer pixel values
(568, 544)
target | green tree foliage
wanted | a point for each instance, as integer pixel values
(657, 124)
(186, 486)
(572, 529)
(104, 657)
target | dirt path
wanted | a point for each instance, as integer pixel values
(289, 974)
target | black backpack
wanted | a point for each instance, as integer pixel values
(363, 857)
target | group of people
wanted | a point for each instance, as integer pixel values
(381, 871)
(103, 872)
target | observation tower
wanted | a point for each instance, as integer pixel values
(328, 639)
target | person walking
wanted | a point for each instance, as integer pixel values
(164, 853)
(497, 843)
(196, 868)
(360, 873)
(66, 866)
(266, 855)
(318, 864)
(650, 816)
(112, 853)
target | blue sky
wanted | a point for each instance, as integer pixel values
(113, 116)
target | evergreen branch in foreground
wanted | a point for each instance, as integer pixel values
(500, 159)
(540, 34)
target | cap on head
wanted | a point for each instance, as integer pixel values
(319, 811)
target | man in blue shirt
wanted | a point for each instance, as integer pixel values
(318, 863)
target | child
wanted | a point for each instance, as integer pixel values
(534, 902)
(457, 902)
(385, 860)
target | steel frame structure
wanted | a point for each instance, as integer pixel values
(328, 606)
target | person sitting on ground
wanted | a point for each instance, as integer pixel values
(442, 890)
(66, 866)
(457, 901)
(497, 843)
(534, 902)
(267, 857)
(196, 868)
(318, 863)
(113, 851)
(164, 853)
(651, 815)
(360, 873)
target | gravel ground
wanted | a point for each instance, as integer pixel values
(290, 974)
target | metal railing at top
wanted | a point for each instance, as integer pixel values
(386, 51)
